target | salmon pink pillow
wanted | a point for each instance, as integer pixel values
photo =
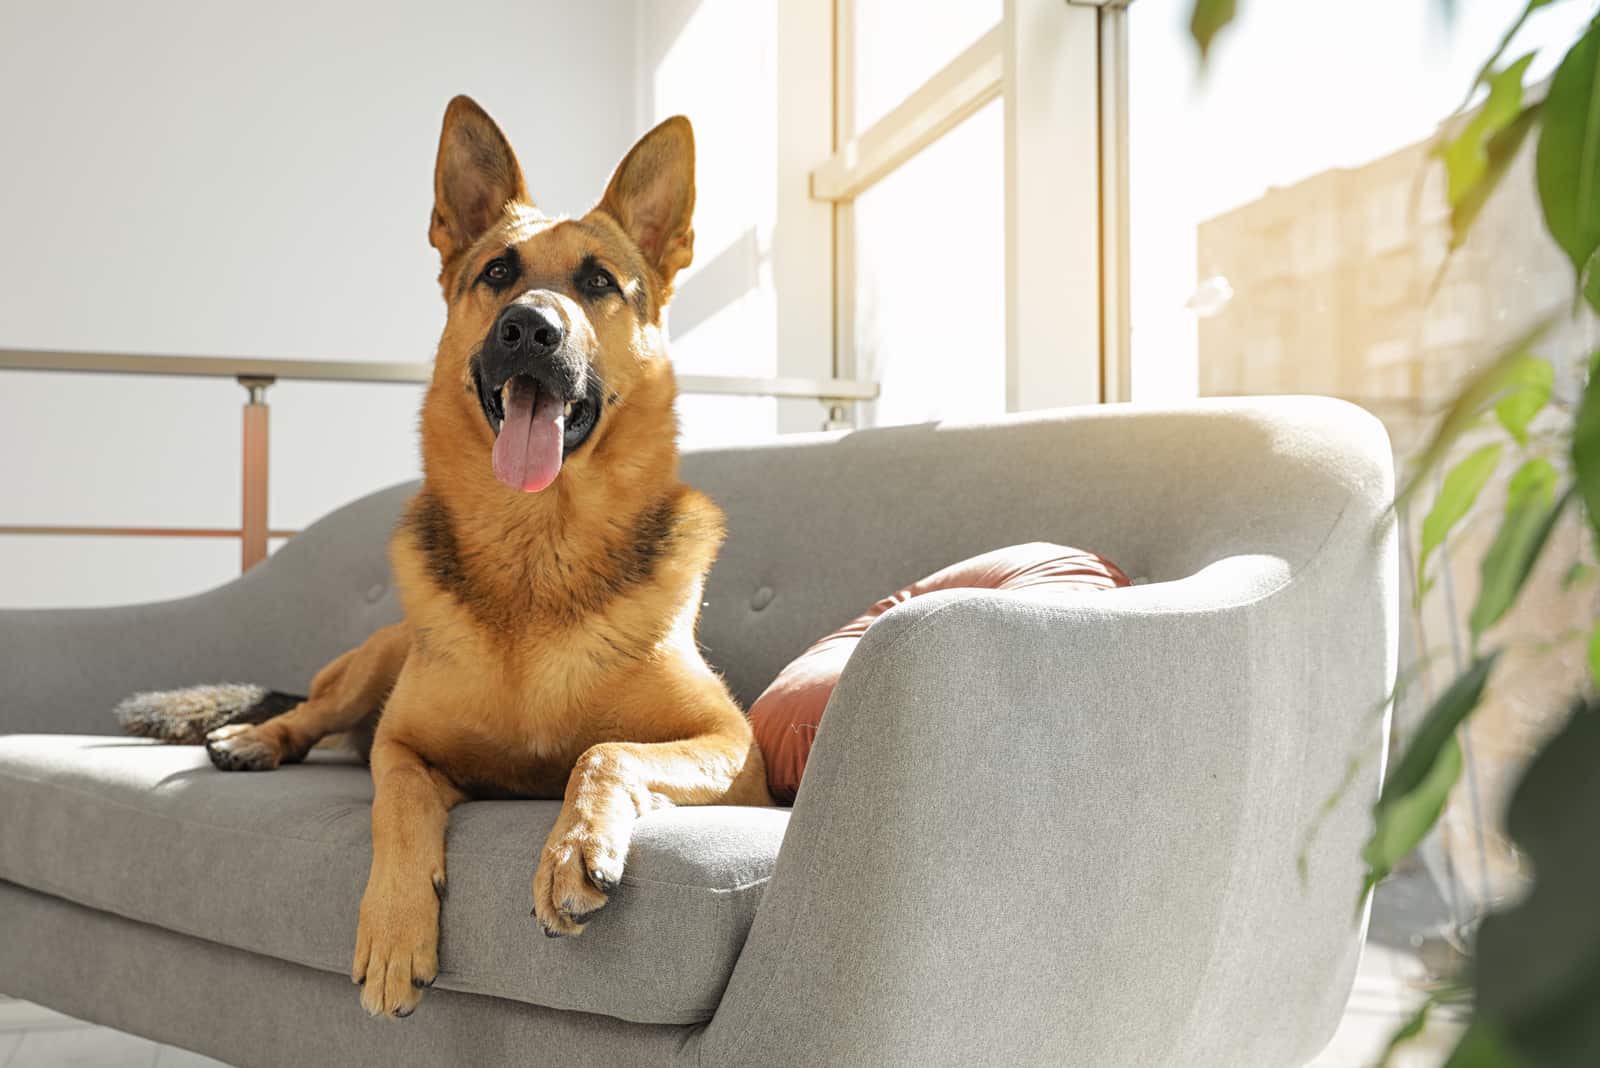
(787, 715)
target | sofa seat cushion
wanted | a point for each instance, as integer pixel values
(275, 863)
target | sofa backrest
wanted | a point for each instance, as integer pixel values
(821, 526)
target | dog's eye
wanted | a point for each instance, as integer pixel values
(497, 273)
(600, 280)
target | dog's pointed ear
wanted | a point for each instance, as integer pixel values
(651, 196)
(475, 177)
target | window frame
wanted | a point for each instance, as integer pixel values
(1059, 66)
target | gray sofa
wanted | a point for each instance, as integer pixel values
(1030, 833)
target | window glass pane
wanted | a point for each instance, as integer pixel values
(930, 279)
(899, 44)
(1289, 230)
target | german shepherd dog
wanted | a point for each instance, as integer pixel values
(550, 566)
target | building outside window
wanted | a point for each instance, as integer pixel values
(1347, 199)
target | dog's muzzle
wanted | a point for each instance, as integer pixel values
(537, 392)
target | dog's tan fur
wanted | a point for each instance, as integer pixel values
(548, 644)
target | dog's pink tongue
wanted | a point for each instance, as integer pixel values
(527, 454)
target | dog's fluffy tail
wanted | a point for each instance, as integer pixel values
(186, 716)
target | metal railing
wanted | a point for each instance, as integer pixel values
(257, 375)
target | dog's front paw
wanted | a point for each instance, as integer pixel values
(580, 863)
(242, 747)
(397, 946)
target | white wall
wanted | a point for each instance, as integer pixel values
(211, 178)
(755, 76)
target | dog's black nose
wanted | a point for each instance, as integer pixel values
(529, 330)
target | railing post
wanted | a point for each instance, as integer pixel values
(253, 477)
(838, 415)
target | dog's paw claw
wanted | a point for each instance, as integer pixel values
(396, 956)
(576, 868)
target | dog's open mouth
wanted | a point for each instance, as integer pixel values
(534, 431)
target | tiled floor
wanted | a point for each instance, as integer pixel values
(1384, 997)
(34, 1037)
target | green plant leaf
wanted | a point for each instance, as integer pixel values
(1466, 156)
(1568, 159)
(1531, 513)
(1500, 49)
(1483, 1047)
(1578, 574)
(1206, 20)
(1525, 398)
(1411, 1029)
(1476, 395)
(1405, 678)
(1502, 147)
(1594, 656)
(1537, 967)
(1402, 823)
(1456, 496)
(1450, 709)
(1591, 282)
(1499, 152)
(1586, 448)
(1417, 788)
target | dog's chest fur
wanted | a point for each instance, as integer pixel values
(525, 647)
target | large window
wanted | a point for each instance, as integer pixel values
(896, 192)
(965, 187)
(1289, 230)
(927, 285)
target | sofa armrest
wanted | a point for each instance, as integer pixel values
(1066, 831)
(64, 669)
